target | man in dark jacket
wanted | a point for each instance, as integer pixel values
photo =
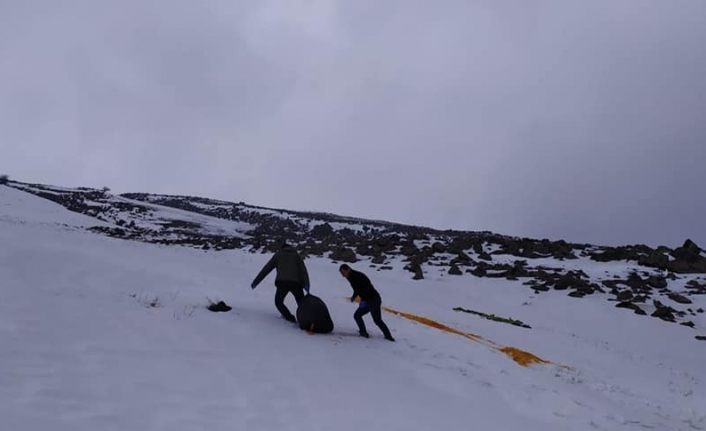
(292, 277)
(370, 301)
(313, 315)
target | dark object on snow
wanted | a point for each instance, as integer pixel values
(455, 270)
(663, 312)
(313, 316)
(219, 306)
(700, 337)
(631, 306)
(678, 298)
(494, 318)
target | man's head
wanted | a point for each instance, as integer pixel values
(345, 270)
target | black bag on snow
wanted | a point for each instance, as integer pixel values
(313, 316)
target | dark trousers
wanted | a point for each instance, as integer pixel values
(283, 288)
(372, 307)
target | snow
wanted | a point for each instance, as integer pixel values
(83, 349)
(17, 207)
(207, 224)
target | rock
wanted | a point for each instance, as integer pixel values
(571, 279)
(635, 281)
(562, 250)
(631, 306)
(343, 254)
(689, 252)
(696, 288)
(657, 281)
(688, 259)
(700, 337)
(416, 269)
(655, 259)
(480, 270)
(378, 260)
(438, 247)
(663, 312)
(690, 324)
(625, 295)
(640, 299)
(519, 269)
(454, 270)
(485, 256)
(577, 294)
(681, 299)
(461, 259)
(541, 288)
(611, 254)
(409, 249)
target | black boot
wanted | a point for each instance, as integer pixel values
(363, 334)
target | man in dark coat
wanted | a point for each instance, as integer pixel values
(292, 277)
(313, 316)
(370, 301)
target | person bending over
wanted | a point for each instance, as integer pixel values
(370, 301)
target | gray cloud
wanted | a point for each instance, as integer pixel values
(561, 119)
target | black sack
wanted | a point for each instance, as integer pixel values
(219, 306)
(313, 316)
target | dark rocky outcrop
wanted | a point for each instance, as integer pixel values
(631, 306)
(681, 299)
(343, 254)
(663, 312)
(454, 270)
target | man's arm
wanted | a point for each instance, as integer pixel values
(269, 266)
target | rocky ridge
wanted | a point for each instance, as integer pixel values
(660, 282)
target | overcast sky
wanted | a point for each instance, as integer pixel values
(583, 120)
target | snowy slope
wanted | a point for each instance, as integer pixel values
(101, 333)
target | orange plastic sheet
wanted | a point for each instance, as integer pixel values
(521, 357)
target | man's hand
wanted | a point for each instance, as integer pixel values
(353, 298)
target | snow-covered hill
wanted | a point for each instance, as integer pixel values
(662, 282)
(111, 332)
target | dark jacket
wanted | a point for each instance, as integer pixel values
(312, 315)
(362, 287)
(290, 267)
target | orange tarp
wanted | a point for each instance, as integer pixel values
(522, 357)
